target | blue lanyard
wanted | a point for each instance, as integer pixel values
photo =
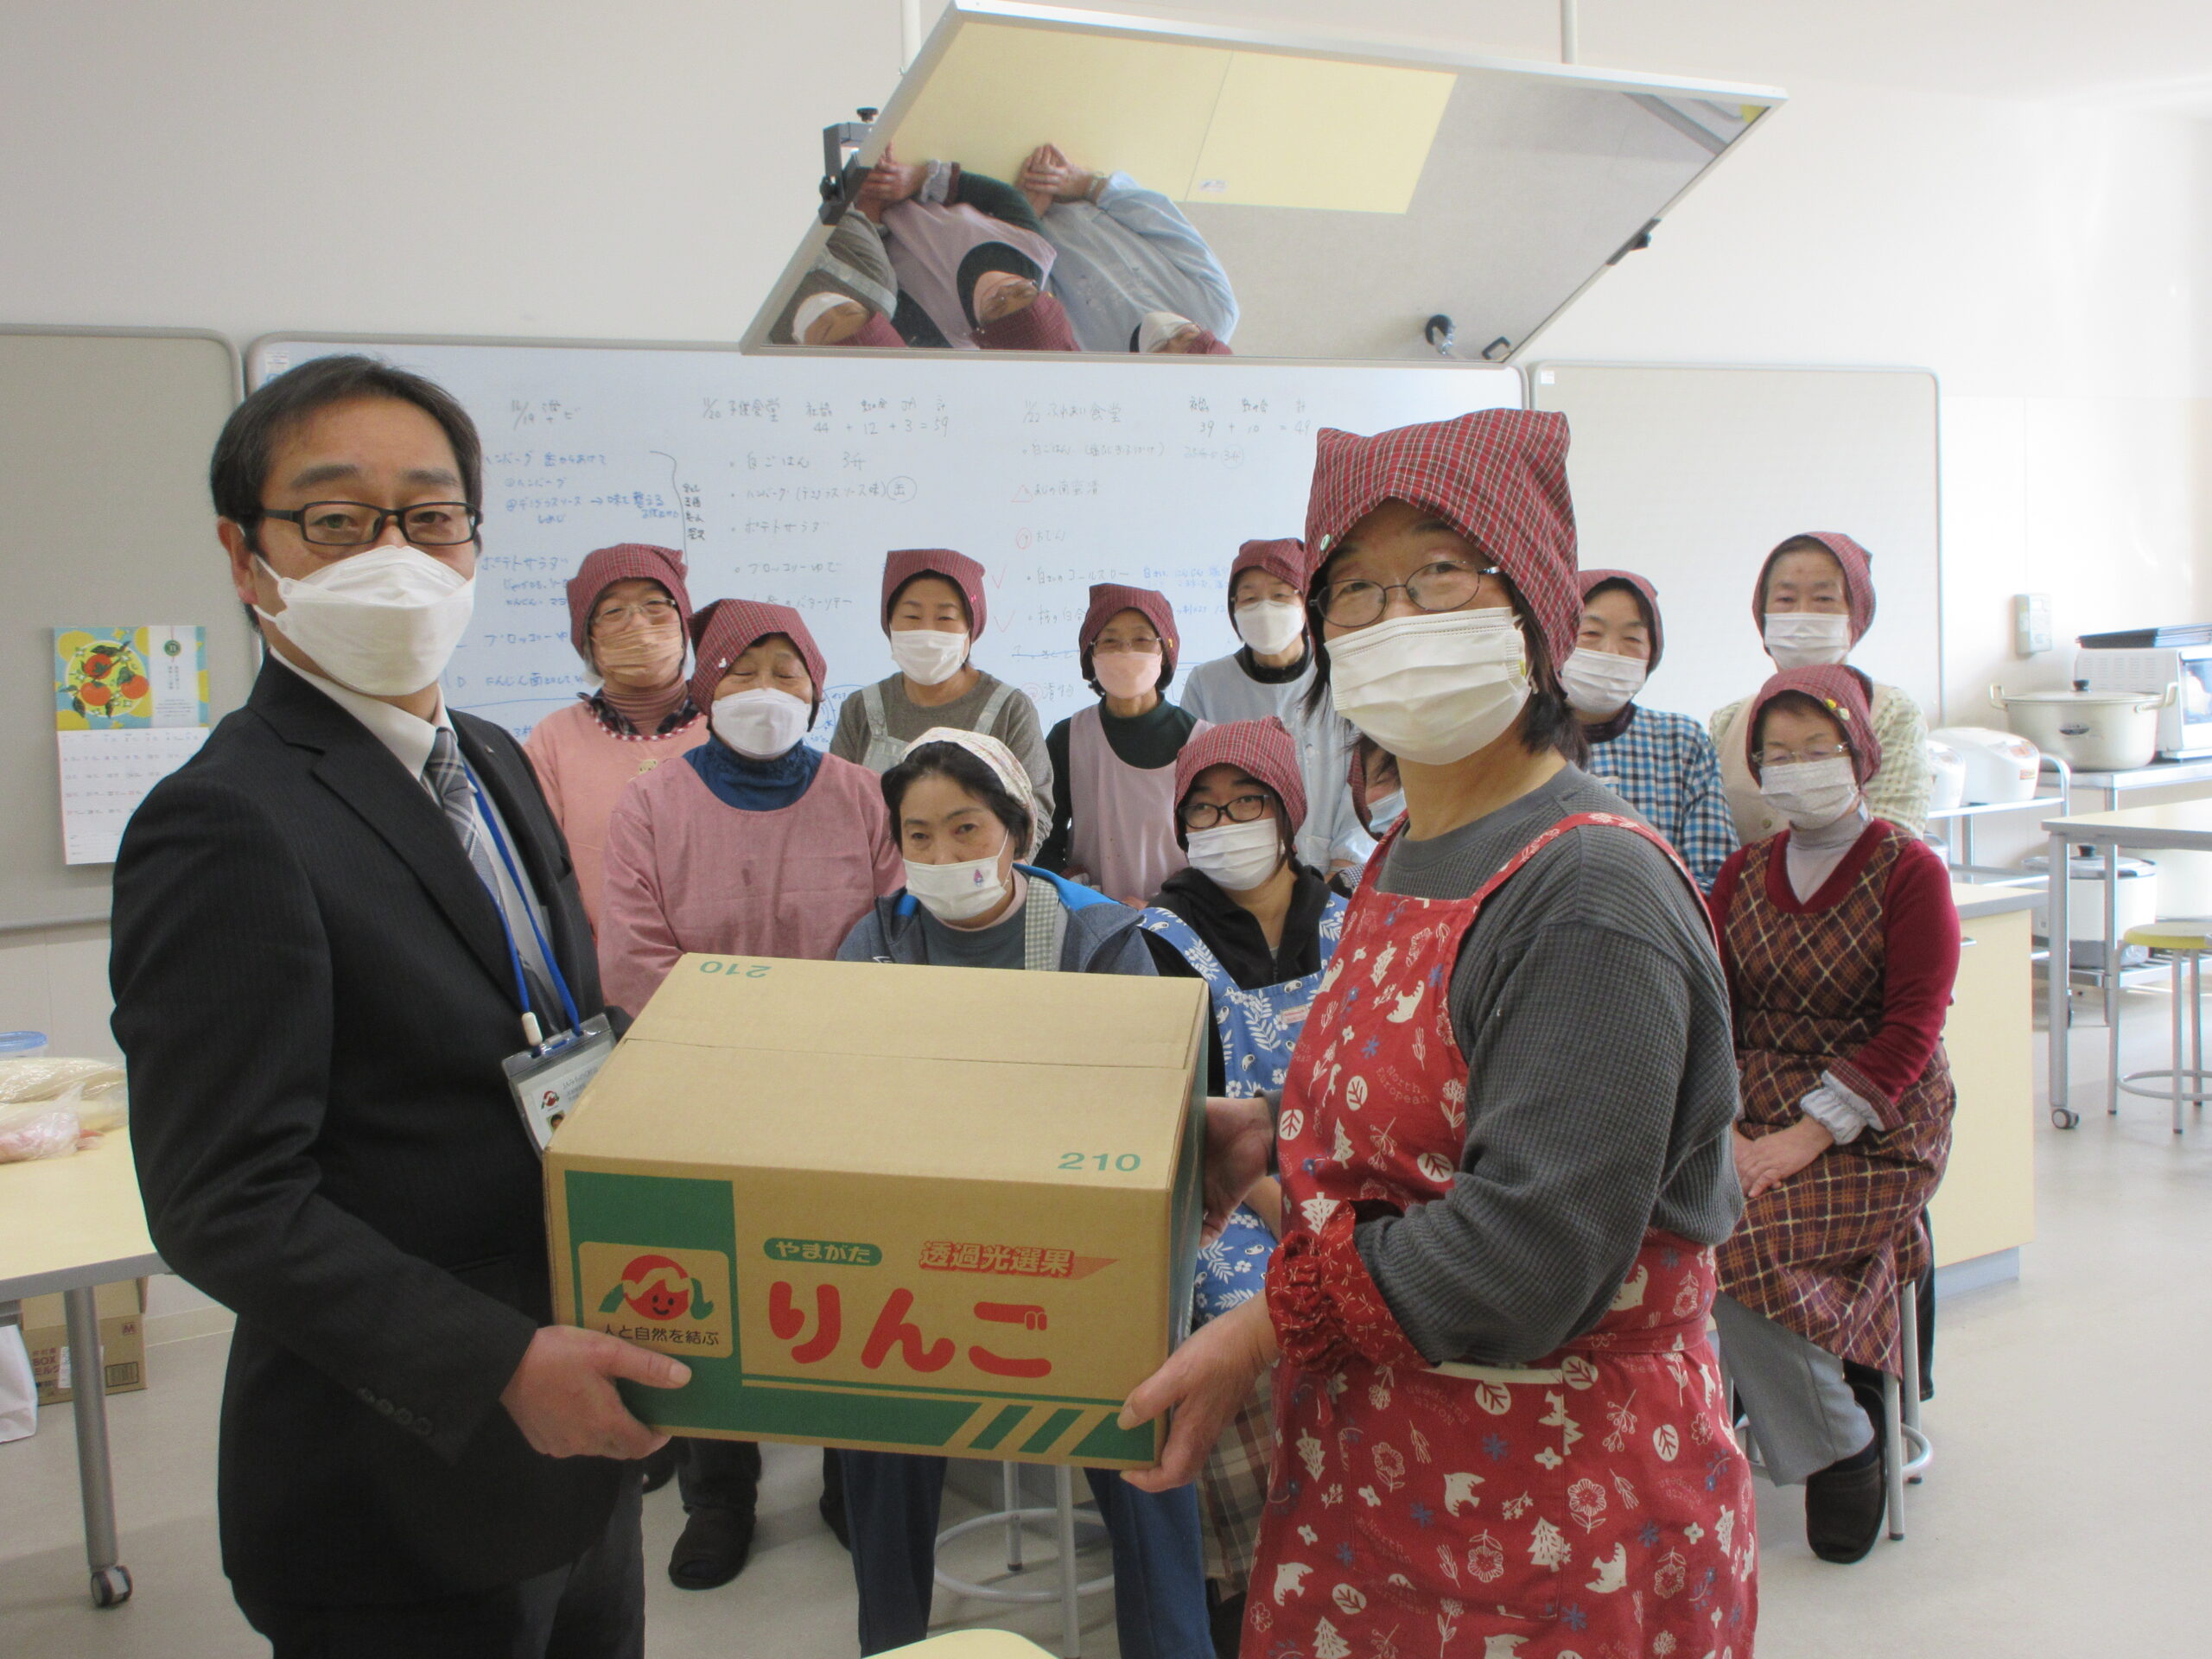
(514, 956)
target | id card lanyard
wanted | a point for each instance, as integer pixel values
(550, 1073)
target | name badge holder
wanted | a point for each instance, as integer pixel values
(550, 1074)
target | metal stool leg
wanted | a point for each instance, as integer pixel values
(1070, 1611)
(1893, 1454)
(1010, 1495)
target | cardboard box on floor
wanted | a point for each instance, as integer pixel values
(122, 1308)
(940, 1209)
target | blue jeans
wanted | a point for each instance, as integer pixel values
(892, 1500)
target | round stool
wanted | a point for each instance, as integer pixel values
(1065, 1516)
(2185, 944)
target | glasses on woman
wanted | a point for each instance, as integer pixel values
(1205, 815)
(1792, 757)
(1111, 645)
(654, 612)
(1444, 586)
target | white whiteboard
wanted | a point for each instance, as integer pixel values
(1691, 475)
(787, 478)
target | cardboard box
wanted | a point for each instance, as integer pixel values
(942, 1209)
(122, 1308)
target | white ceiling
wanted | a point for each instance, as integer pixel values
(2150, 54)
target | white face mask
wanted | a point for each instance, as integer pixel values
(1238, 857)
(957, 893)
(1270, 625)
(1599, 682)
(1433, 687)
(1807, 639)
(1811, 794)
(760, 724)
(1127, 674)
(928, 656)
(383, 622)
(1384, 810)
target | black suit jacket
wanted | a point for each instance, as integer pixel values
(314, 994)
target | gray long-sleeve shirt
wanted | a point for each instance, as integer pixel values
(1594, 1013)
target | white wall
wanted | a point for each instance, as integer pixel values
(641, 171)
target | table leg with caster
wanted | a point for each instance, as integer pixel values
(88, 1377)
(2059, 974)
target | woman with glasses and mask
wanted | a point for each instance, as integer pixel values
(965, 814)
(935, 604)
(1271, 675)
(1504, 1140)
(755, 846)
(1814, 602)
(1114, 764)
(1660, 762)
(628, 611)
(1841, 943)
(1258, 927)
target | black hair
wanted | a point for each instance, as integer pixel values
(1800, 702)
(986, 256)
(1622, 585)
(1548, 721)
(891, 603)
(238, 473)
(967, 769)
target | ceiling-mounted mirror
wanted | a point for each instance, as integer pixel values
(1058, 181)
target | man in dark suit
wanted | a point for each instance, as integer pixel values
(315, 990)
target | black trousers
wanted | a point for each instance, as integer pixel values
(594, 1608)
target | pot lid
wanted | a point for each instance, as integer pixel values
(2088, 699)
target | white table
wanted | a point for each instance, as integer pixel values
(2160, 775)
(67, 1224)
(2184, 826)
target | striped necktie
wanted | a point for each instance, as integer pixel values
(448, 780)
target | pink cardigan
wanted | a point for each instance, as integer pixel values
(685, 871)
(583, 769)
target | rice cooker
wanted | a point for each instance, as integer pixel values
(1949, 768)
(2001, 766)
(2091, 731)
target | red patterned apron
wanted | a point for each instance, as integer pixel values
(1592, 1505)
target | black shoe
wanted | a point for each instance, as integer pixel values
(712, 1549)
(832, 1503)
(1225, 1614)
(660, 1466)
(1844, 1501)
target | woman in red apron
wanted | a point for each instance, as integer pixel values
(1503, 1141)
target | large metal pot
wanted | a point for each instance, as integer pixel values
(2093, 731)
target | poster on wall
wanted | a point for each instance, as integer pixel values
(129, 708)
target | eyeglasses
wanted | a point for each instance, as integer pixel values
(356, 524)
(1245, 809)
(1444, 586)
(1792, 757)
(657, 612)
(1146, 646)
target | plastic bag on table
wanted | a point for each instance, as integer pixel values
(95, 1090)
(39, 1130)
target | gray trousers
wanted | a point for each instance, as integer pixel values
(1804, 1414)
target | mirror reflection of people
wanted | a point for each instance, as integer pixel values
(629, 614)
(1660, 762)
(1271, 673)
(1258, 927)
(935, 604)
(1167, 334)
(965, 816)
(1841, 943)
(1124, 251)
(751, 844)
(848, 296)
(970, 259)
(1113, 763)
(1461, 1198)
(1814, 602)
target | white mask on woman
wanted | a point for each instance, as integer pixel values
(1601, 682)
(760, 724)
(957, 893)
(1807, 639)
(1127, 674)
(1433, 687)
(1811, 794)
(1238, 857)
(1270, 625)
(928, 656)
(383, 622)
